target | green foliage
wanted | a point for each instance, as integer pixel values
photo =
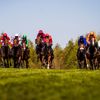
(98, 37)
(58, 56)
(32, 84)
(67, 56)
(33, 57)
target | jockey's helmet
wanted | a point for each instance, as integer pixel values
(24, 37)
(40, 31)
(81, 37)
(16, 35)
(91, 33)
(5, 34)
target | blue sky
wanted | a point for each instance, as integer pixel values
(63, 19)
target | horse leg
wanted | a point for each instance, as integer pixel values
(85, 65)
(49, 58)
(91, 64)
(27, 64)
(79, 63)
(7, 63)
(22, 63)
(4, 63)
(50, 62)
(43, 61)
(38, 57)
(19, 62)
(96, 63)
(14, 64)
(15, 61)
(10, 61)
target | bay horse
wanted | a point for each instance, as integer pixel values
(43, 53)
(81, 56)
(91, 54)
(16, 53)
(25, 55)
(5, 53)
(39, 46)
(48, 57)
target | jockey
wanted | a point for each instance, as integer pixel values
(24, 39)
(48, 42)
(4, 38)
(41, 35)
(48, 39)
(82, 40)
(90, 36)
(16, 38)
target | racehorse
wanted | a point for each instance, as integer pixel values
(17, 54)
(5, 53)
(81, 56)
(47, 56)
(25, 54)
(91, 54)
(43, 53)
(39, 46)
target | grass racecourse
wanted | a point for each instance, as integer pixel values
(42, 84)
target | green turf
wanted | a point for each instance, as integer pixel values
(32, 84)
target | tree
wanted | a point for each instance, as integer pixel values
(33, 57)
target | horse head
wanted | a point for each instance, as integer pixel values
(15, 42)
(24, 45)
(6, 42)
(81, 52)
(38, 40)
(82, 48)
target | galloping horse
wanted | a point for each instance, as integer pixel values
(17, 53)
(91, 54)
(43, 53)
(81, 56)
(5, 53)
(25, 54)
(39, 49)
(38, 43)
(50, 59)
(47, 54)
